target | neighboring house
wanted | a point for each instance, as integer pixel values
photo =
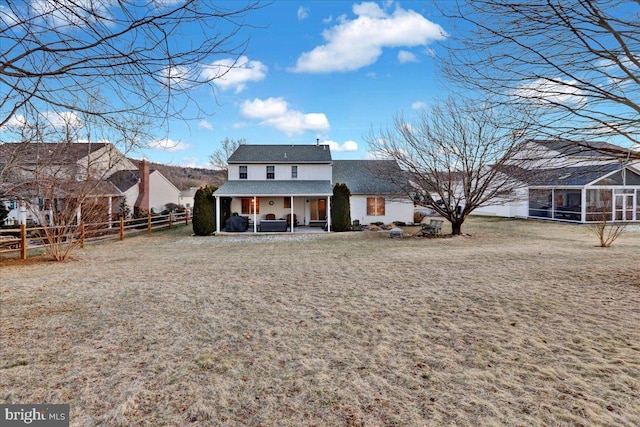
(279, 182)
(374, 197)
(187, 197)
(144, 189)
(569, 183)
(37, 178)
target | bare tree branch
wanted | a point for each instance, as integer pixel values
(573, 66)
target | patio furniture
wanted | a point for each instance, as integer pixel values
(277, 225)
(434, 228)
(295, 220)
(356, 225)
(396, 232)
(270, 216)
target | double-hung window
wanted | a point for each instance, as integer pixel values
(375, 206)
(294, 172)
(243, 172)
(271, 172)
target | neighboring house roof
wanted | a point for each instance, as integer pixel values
(581, 148)
(189, 192)
(62, 152)
(570, 176)
(370, 176)
(124, 180)
(248, 153)
(275, 188)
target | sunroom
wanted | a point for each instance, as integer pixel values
(582, 194)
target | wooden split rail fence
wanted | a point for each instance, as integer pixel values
(24, 239)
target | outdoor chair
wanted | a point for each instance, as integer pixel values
(434, 228)
(356, 225)
(270, 216)
(295, 220)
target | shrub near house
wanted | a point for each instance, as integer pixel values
(204, 211)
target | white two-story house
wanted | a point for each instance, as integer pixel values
(273, 184)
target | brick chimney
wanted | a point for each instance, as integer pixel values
(142, 202)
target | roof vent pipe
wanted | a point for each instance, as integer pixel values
(317, 141)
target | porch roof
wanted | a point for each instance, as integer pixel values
(246, 188)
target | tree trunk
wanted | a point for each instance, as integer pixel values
(456, 228)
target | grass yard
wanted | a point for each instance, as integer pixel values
(521, 323)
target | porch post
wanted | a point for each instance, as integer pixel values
(292, 220)
(217, 214)
(329, 213)
(583, 206)
(110, 210)
(255, 216)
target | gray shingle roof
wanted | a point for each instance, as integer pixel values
(52, 152)
(124, 180)
(370, 176)
(274, 188)
(582, 148)
(249, 153)
(572, 176)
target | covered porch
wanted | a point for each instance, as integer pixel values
(277, 206)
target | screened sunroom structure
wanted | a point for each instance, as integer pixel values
(585, 194)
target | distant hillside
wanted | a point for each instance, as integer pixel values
(184, 177)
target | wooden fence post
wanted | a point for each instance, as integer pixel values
(121, 229)
(170, 220)
(82, 235)
(186, 217)
(149, 224)
(23, 241)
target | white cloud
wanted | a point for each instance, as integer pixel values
(177, 76)
(303, 13)
(230, 74)
(75, 13)
(191, 162)
(405, 56)
(346, 146)
(418, 105)
(17, 120)
(167, 145)
(63, 119)
(552, 91)
(353, 44)
(275, 112)
(204, 124)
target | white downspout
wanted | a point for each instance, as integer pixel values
(292, 219)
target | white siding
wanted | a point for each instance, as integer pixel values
(161, 192)
(396, 209)
(306, 172)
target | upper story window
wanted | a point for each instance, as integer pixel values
(243, 172)
(294, 172)
(271, 172)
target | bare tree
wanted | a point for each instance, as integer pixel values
(573, 65)
(227, 146)
(456, 155)
(57, 175)
(145, 57)
(603, 224)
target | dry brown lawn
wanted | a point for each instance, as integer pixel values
(520, 323)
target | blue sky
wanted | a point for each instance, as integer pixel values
(332, 70)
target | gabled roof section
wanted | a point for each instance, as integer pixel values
(571, 176)
(55, 152)
(249, 153)
(124, 180)
(582, 148)
(370, 176)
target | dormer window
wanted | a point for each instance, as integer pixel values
(243, 172)
(271, 172)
